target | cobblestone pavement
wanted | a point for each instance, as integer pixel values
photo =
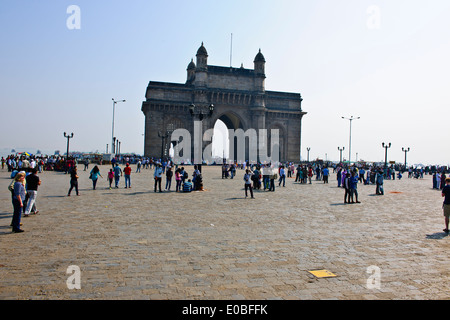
(216, 244)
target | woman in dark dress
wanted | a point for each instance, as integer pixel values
(73, 181)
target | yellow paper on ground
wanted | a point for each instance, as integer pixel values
(322, 273)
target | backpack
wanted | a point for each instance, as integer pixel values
(11, 187)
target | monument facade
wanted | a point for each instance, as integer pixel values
(238, 97)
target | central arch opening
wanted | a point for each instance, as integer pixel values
(220, 140)
(220, 143)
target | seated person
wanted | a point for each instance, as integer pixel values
(187, 186)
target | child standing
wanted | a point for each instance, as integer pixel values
(110, 177)
(178, 180)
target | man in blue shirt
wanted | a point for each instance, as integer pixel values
(353, 184)
(325, 173)
(187, 186)
(361, 175)
(117, 174)
(379, 179)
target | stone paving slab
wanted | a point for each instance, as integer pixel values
(215, 244)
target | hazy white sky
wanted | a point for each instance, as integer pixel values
(386, 61)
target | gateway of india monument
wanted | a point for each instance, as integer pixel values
(236, 96)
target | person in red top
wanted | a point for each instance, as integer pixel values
(127, 174)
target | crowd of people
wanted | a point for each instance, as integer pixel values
(41, 163)
(264, 177)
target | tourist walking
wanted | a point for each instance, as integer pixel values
(297, 176)
(32, 184)
(158, 176)
(282, 176)
(272, 178)
(110, 177)
(127, 175)
(248, 183)
(339, 177)
(169, 175)
(353, 186)
(117, 175)
(95, 173)
(325, 173)
(310, 174)
(346, 185)
(73, 181)
(86, 164)
(443, 180)
(138, 166)
(265, 174)
(17, 200)
(379, 179)
(438, 181)
(255, 179)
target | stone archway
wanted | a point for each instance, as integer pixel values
(233, 122)
(240, 98)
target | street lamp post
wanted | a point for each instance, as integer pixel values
(350, 139)
(67, 158)
(308, 149)
(200, 114)
(385, 146)
(68, 138)
(165, 136)
(340, 151)
(405, 150)
(113, 149)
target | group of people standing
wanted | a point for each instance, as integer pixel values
(183, 183)
(439, 180)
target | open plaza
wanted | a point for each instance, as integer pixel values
(216, 244)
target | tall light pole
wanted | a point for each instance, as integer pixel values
(385, 146)
(68, 138)
(308, 149)
(350, 140)
(113, 150)
(405, 150)
(340, 151)
(66, 165)
(163, 137)
(200, 113)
